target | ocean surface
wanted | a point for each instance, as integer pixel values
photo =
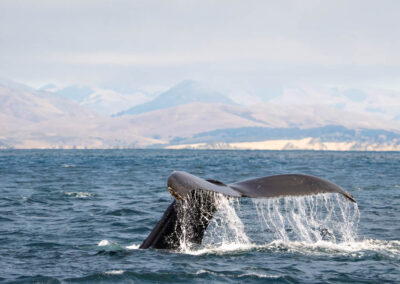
(78, 216)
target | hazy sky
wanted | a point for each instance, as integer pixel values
(249, 46)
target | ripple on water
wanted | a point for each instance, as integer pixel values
(123, 212)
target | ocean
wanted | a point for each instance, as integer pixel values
(79, 216)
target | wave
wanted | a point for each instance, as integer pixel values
(114, 272)
(79, 194)
(68, 166)
(201, 275)
(243, 275)
(107, 245)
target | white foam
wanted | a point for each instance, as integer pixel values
(116, 246)
(221, 249)
(80, 194)
(103, 243)
(203, 271)
(352, 248)
(67, 166)
(114, 272)
(258, 275)
(133, 246)
(249, 274)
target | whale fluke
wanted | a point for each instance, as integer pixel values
(187, 218)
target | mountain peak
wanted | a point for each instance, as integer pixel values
(187, 91)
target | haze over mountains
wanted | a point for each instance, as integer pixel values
(101, 100)
(193, 115)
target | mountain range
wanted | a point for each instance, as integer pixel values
(188, 115)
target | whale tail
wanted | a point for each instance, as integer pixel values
(187, 218)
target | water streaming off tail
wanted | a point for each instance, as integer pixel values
(226, 228)
(308, 219)
(313, 218)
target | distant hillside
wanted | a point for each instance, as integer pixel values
(38, 119)
(187, 121)
(185, 92)
(23, 103)
(327, 133)
(307, 143)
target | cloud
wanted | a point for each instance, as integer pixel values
(244, 44)
(266, 50)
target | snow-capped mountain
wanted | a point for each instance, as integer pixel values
(110, 102)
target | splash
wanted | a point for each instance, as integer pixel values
(103, 243)
(355, 249)
(133, 246)
(324, 220)
(224, 229)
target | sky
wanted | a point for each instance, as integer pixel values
(245, 47)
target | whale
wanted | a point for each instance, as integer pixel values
(195, 203)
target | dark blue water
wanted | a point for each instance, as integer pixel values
(79, 215)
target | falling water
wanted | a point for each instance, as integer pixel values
(226, 228)
(307, 219)
(313, 218)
